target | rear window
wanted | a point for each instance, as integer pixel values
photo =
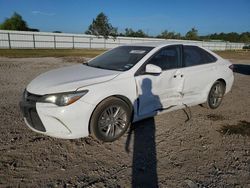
(194, 55)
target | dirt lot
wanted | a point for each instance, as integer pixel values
(210, 150)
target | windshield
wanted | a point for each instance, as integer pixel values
(121, 58)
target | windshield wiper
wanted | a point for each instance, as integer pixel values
(100, 67)
(95, 66)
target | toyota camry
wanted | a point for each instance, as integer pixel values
(126, 84)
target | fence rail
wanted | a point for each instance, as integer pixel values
(39, 40)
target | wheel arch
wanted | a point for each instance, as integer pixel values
(123, 98)
(223, 81)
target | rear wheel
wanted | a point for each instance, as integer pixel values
(215, 95)
(110, 119)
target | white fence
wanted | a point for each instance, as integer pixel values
(32, 40)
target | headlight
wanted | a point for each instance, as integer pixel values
(63, 99)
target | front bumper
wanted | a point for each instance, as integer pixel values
(31, 117)
(68, 122)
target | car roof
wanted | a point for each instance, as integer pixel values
(161, 43)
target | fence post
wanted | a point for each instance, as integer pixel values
(104, 43)
(90, 42)
(73, 41)
(34, 42)
(54, 42)
(9, 41)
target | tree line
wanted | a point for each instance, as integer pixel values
(101, 26)
(16, 22)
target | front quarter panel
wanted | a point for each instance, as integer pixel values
(124, 86)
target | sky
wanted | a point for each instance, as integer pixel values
(74, 16)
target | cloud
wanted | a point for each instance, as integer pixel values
(36, 12)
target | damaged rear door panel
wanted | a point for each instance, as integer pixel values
(199, 72)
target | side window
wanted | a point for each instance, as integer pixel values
(167, 58)
(194, 55)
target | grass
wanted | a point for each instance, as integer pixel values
(236, 54)
(19, 53)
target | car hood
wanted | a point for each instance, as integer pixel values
(69, 79)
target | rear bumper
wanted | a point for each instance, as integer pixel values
(68, 122)
(229, 83)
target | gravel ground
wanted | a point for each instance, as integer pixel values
(212, 149)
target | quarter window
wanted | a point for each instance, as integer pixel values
(167, 58)
(194, 55)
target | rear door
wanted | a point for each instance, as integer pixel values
(162, 91)
(199, 69)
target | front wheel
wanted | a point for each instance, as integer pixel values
(110, 120)
(215, 95)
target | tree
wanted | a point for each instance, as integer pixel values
(101, 27)
(169, 35)
(192, 34)
(245, 37)
(56, 32)
(231, 37)
(131, 33)
(15, 22)
(33, 29)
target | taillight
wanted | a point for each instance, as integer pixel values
(231, 67)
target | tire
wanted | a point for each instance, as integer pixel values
(110, 119)
(215, 95)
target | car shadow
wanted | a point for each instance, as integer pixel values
(144, 164)
(242, 69)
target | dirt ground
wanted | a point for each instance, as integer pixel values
(212, 149)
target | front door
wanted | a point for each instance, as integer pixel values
(162, 91)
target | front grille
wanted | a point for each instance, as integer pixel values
(28, 107)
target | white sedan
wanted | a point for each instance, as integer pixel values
(124, 85)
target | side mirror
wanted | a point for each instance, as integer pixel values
(153, 69)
